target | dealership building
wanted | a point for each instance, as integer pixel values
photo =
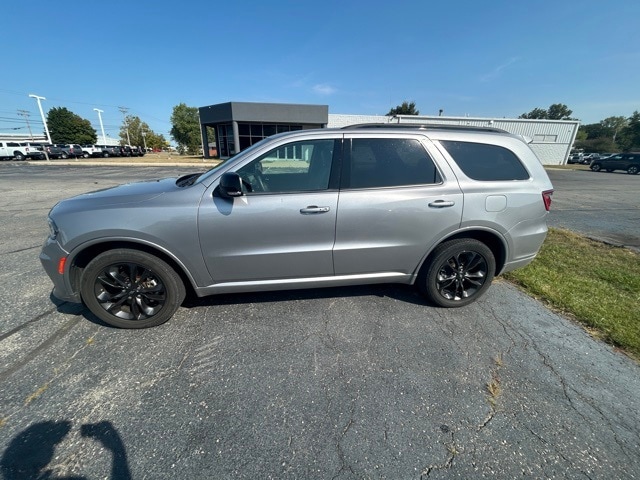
(238, 125)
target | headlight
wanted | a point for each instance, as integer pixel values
(53, 228)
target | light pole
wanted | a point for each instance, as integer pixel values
(144, 134)
(124, 111)
(104, 138)
(44, 120)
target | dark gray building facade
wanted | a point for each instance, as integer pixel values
(239, 125)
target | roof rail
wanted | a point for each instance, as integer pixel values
(425, 126)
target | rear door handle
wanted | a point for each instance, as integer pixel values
(442, 204)
(312, 209)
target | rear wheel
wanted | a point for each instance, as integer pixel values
(64, 155)
(85, 155)
(131, 289)
(18, 155)
(632, 170)
(596, 167)
(458, 273)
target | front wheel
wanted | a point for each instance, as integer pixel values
(131, 289)
(18, 156)
(632, 170)
(457, 273)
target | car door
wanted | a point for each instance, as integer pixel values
(283, 226)
(395, 203)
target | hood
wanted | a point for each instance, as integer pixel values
(129, 193)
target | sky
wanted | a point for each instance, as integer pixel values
(469, 58)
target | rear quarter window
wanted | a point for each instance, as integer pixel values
(485, 162)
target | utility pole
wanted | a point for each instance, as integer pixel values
(104, 138)
(124, 111)
(144, 134)
(25, 114)
(44, 120)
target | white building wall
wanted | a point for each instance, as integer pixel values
(551, 139)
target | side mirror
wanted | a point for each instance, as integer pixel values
(230, 185)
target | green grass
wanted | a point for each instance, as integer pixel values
(597, 284)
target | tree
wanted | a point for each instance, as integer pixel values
(557, 111)
(67, 127)
(630, 135)
(407, 108)
(186, 129)
(614, 125)
(140, 134)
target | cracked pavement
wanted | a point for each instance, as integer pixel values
(363, 382)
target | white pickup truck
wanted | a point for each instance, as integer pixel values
(92, 151)
(19, 151)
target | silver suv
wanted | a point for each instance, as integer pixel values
(445, 209)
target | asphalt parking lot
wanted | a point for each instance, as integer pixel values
(364, 382)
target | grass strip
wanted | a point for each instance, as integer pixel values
(596, 284)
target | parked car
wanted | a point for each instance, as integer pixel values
(93, 151)
(575, 158)
(34, 151)
(442, 208)
(629, 162)
(111, 150)
(19, 151)
(71, 151)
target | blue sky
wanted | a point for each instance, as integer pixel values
(487, 59)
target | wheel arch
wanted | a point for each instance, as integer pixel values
(493, 240)
(82, 258)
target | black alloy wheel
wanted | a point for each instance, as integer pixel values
(458, 273)
(131, 289)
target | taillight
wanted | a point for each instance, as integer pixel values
(546, 198)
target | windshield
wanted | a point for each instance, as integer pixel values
(209, 173)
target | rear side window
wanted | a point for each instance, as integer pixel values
(389, 162)
(481, 161)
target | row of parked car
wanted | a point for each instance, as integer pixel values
(587, 158)
(36, 151)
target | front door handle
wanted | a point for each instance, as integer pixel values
(312, 209)
(442, 204)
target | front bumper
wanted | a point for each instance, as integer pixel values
(50, 257)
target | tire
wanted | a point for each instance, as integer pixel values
(632, 170)
(18, 156)
(85, 155)
(131, 289)
(105, 155)
(64, 156)
(596, 167)
(457, 273)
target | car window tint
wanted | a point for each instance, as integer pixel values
(387, 162)
(481, 161)
(295, 167)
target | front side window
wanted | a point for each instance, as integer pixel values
(389, 162)
(294, 167)
(486, 162)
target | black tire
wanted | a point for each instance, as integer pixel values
(596, 167)
(131, 289)
(64, 156)
(457, 273)
(105, 154)
(18, 156)
(632, 170)
(85, 155)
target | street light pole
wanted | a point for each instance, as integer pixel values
(104, 138)
(124, 111)
(44, 120)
